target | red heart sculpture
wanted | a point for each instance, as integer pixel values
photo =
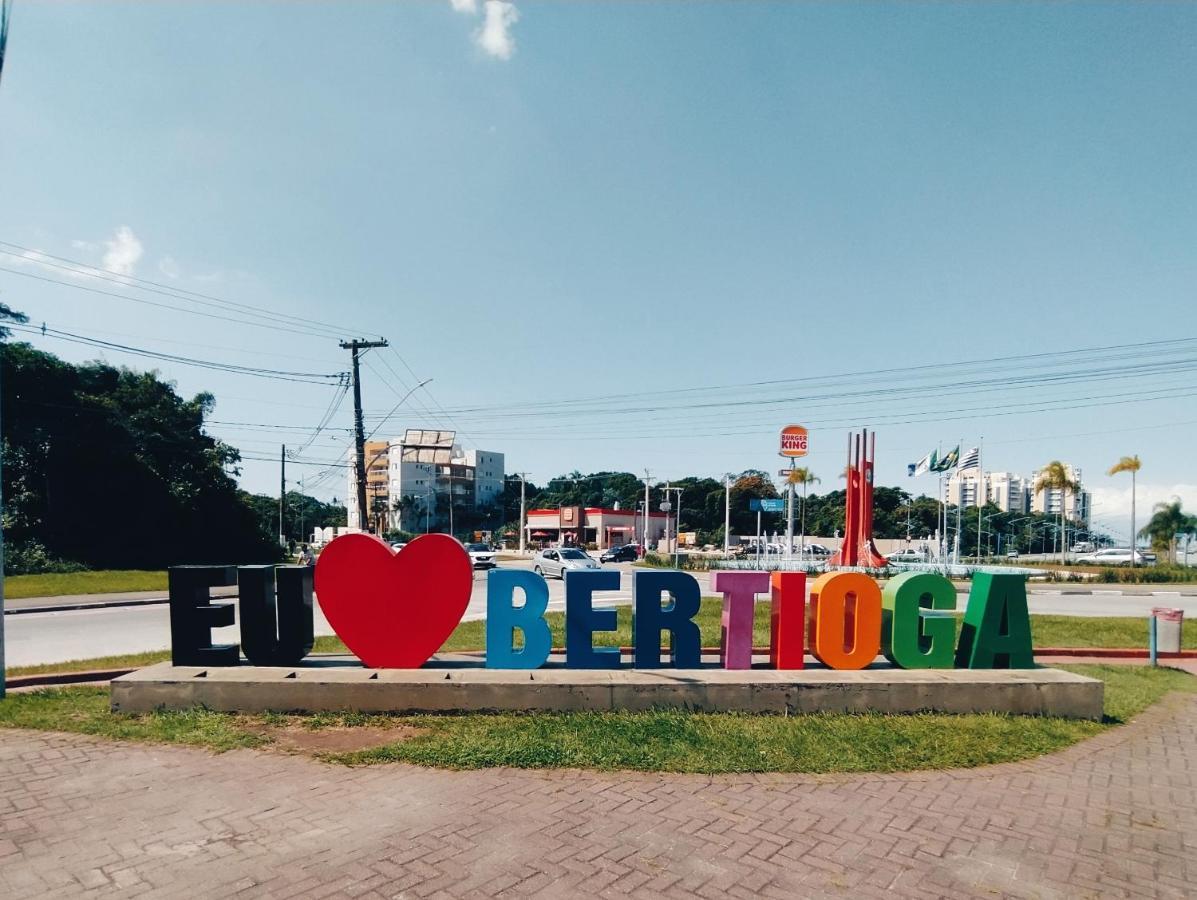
(394, 610)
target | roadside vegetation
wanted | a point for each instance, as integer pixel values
(61, 584)
(661, 741)
(1046, 631)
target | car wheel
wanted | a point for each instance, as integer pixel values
(536, 569)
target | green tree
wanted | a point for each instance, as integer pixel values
(1129, 464)
(1055, 476)
(1167, 523)
(8, 314)
(804, 476)
(112, 468)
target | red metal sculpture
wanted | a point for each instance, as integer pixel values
(858, 548)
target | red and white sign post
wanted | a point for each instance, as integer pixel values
(793, 445)
(793, 441)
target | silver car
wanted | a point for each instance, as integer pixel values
(558, 560)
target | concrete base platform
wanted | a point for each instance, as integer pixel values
(460, 683)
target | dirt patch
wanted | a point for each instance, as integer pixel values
(298, 739)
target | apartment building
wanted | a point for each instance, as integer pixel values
(418, 474)
(1006, 490)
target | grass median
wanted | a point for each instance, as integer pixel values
(661, 741)
(1046, 631)
(62, 584)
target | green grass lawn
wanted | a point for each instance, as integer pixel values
(58, 584)
(1047, 631)
(663, 741)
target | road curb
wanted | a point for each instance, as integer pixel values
(52, 679)
(1111, 652)
(72, 607)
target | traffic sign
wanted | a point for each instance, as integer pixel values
(793, 441)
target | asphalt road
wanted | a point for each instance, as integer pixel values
(46, 637)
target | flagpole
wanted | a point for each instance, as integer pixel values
(959, 506)
(980, 494)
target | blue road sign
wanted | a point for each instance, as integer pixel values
(767, 505)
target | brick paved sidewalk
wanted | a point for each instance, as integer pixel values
(1114, 816)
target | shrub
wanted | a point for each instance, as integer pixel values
(31, 558)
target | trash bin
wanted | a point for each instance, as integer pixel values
(1168, 622)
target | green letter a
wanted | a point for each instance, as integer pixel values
(996, 633)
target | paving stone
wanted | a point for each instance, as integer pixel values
(1114, 816)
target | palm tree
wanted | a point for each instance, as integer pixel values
(1129, 464)
(1168, 521)
(804, 477)
(1056, 476)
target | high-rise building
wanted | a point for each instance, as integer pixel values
(1007, 491)
(421, 472)
(1076, 504)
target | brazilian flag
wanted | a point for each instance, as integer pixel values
(948, 461)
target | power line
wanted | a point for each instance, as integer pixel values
(142, 300)
(277, 374)
(81, 268)
(944, 372)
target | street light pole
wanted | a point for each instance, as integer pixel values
(647, 507)
(726, 514)
(522, 476)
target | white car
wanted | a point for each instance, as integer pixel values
(1111, 556)
(909, 554)
(481, 556)
(559, 560)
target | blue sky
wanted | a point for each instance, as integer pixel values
(551, 201)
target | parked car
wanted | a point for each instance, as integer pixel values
(909, 554)
(558, 560)
(481, 555)
(817, 550)
(1111, 556)
(626, 553)
(1084, 547)
(1012, 554)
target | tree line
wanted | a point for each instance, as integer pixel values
(896, 513)
(106, 467)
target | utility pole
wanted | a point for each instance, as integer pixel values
(523, 477)
(282, 494)
(647, 501)
(359, 430)
(665, 508)
(726, 514)
(677, 523)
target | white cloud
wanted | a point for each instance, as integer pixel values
(52, 266)
(1112, 505)
(168, 267)
(1116, 501)
(123, 252)
(494, 34)
(464, 6)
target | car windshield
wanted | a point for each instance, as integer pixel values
(478, 548)
(572, 554)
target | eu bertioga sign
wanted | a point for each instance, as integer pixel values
(395, 610)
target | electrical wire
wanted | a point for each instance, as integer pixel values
(276, 374)
(76, 267)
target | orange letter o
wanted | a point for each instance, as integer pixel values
(845, 635)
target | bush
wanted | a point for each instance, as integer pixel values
(31, 558)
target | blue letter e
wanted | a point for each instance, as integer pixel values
(503, 618)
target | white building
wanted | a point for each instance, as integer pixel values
(1076, 503)
(425, 468)
(1006, 490)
